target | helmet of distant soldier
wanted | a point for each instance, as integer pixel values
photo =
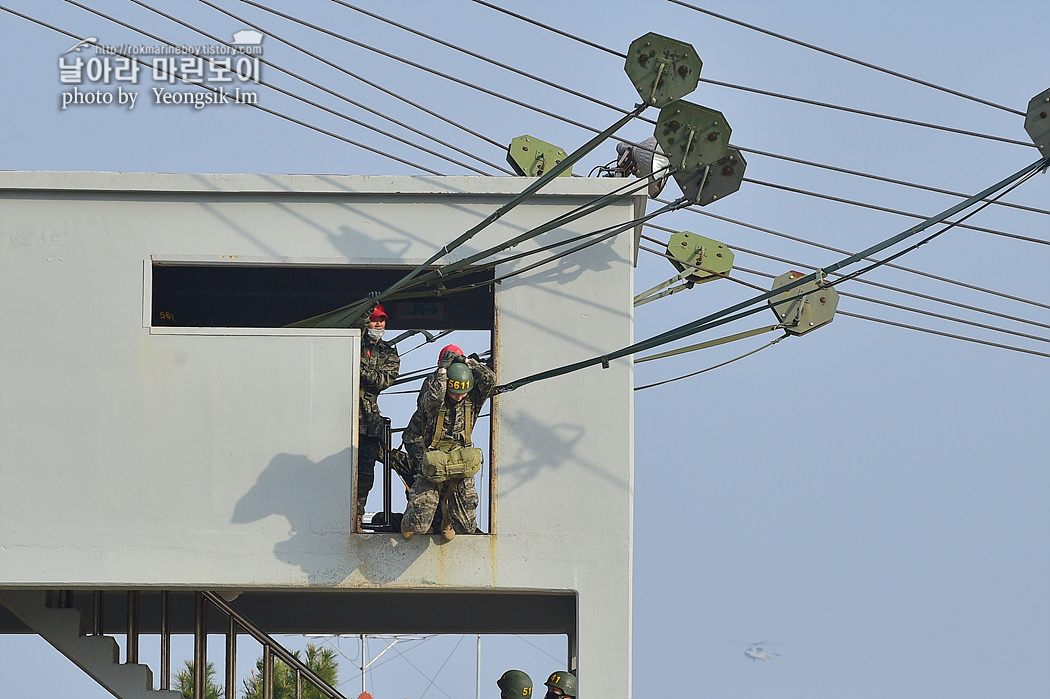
(377, 313)
(460, 379)
(565, 681)
(449, 348)
(514, 684)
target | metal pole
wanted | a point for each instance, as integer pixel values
(267, 672)
(478, 685)
(387, 507)
(132, 651)
(231, 660)
(298, 684)
(96, 621)
(200, 645)
(364, 663)
(165, 640)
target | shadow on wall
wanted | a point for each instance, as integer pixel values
(545, 447)
(358, 243)
(550, 281)
(348, 242)
(596, 258)
(315, 499)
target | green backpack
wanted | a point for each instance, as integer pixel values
(447, 459)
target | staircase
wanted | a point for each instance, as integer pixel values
(95, 655)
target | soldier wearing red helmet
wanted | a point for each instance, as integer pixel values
(380, 365)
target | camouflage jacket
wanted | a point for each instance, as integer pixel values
(423, 424)
(380, 365)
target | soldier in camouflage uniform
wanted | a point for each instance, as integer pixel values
(413, 434)
(380, 365)
(561, 684)
(458, 498)
(515, 684)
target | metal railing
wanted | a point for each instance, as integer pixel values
(238, 623)
(271, 650)
(387, 524)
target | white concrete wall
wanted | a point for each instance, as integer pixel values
(132, 456)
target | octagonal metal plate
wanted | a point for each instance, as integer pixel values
(1037, 121)
(724, 178)
(810, 306)
(692, 136)
(531, 157)
(662, 69)
(688, 249)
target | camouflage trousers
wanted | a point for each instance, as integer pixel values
(425, 499)
(368, 451)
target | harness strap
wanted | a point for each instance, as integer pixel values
(468, 423)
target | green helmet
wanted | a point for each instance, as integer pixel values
(514, 684)
(460, 378)
(565, 681)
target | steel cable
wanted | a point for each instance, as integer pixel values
(261, 108)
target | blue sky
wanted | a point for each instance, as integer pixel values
(870, 498)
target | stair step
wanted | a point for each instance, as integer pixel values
(98, 656)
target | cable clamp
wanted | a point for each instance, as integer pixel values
(605, 362)
(821, 279)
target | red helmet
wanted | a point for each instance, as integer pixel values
(377, 313)
(449, 348)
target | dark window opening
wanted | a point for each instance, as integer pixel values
(273, 296)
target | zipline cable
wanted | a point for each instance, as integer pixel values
(884, 209)
(461, 266)
(712, 368)
(291, 119)
(280, 90)
(343, 70)
(860, 317)
(820, 275)
(75, 37)
(726, 315)
(616, 230)
(844, 57)
(622, 192)
(840, 251)
(944, 334)
(886, 287)
(880, 178)
(954, 224)
(912, 309)
(802, 100)
(427, 69)
(347, 315)
(486, 59)
(990, 231)
(711, 343)
(596, 237)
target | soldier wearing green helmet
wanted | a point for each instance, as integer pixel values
(514, 684)
(561, 684)
(448, 405)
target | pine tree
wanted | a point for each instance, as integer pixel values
(184, 682)
(321, 660)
